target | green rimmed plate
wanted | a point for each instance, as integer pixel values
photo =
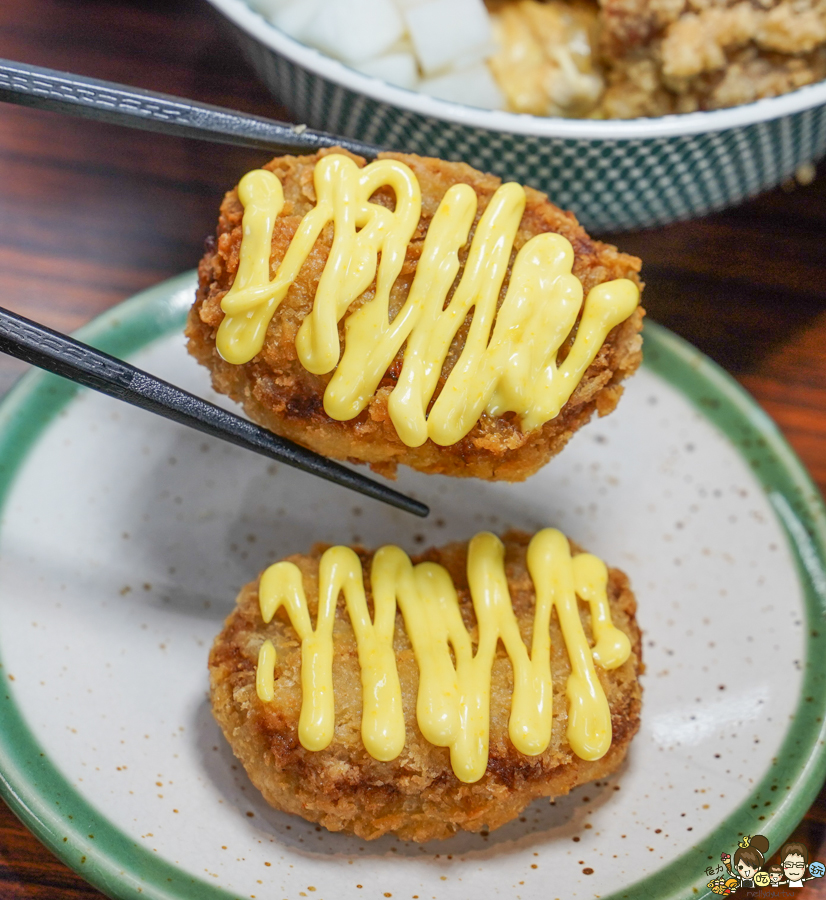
(123, 540)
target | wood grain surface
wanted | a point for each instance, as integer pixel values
(90, 214)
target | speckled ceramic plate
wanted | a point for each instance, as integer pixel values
(124, 539)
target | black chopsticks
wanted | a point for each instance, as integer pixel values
(119, 104)
(84, 365)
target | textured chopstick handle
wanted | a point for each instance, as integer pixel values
(119, 104)
(84, 365)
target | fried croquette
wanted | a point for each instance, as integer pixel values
(277, 392)
(415, 796)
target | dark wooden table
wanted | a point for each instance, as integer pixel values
(90, 214)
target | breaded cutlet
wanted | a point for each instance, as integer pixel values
(279, 393)
(416, 796)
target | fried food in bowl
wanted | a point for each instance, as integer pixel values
(615, 175)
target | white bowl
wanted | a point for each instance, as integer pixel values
(615, 175)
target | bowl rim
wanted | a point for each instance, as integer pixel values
(670, 126)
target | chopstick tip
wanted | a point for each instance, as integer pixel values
(418, 509)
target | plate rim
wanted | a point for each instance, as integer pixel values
(83, 838)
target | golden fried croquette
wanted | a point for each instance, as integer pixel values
(279, 393)
(416, 796)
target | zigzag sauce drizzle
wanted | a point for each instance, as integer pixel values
(508, 362)
(453, 705)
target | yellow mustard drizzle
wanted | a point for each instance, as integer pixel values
(509, 361)
(453, 703)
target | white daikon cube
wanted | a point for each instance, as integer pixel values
(355, 30)
(473, 86)
(268, 7)
(395, 68)
(295, 17)
(446, 31)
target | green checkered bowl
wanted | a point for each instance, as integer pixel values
(615, 175)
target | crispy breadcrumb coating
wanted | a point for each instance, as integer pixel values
(622, 59)
(676, 56)
(416, 796)
(278, 393)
